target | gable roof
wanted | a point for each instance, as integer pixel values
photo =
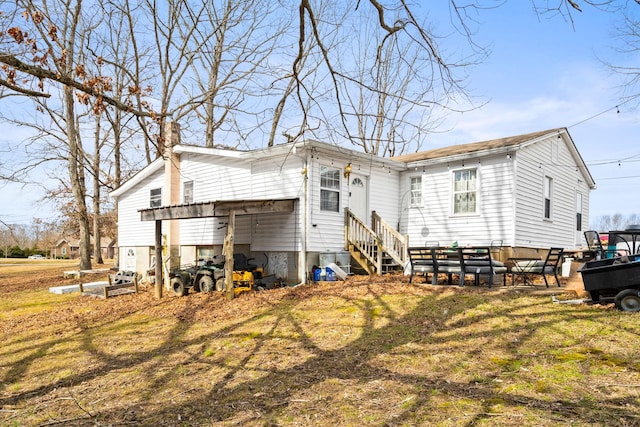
(497, 146)
(475, 147)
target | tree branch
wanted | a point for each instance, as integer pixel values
(42, 73)
(23, 91)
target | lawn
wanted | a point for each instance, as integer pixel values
(365, 352)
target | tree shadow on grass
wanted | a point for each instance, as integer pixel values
(411, 358)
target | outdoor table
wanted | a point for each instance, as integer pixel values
(525, 264)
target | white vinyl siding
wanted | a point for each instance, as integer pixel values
(132, 231)
(435, 221)
(533, 165)
(241, 180)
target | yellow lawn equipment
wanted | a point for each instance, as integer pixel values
(243, 280)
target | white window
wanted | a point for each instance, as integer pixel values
(465, 187)
(548, 193)
(155, 198)
(416, 191)
(187, 192)
(579, 211)
(329, 189)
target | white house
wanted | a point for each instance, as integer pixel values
(527, 191)
(291, 204)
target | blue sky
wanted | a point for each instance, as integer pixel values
(545, 73)
(542, 73)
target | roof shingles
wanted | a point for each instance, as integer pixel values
(473, 147)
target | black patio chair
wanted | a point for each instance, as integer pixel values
(478, 262)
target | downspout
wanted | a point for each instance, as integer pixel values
(514, 208)
(305, 219)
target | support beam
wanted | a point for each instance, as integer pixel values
(227, 250)
(217, 209)
(158, 249)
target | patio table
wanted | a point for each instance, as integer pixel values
(523, 266)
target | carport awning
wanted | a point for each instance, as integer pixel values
(217, 209)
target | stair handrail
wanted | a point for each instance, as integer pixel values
(396, 245)
(363, 238)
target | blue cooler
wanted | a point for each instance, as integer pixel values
(331, 276)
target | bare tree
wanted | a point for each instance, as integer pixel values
(237, 40)
(231, 66)
(379, 106)
(65, 54)
(616, 221)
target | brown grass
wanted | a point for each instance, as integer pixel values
(368, 351)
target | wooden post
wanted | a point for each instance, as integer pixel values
(227, 250)
(159, 279)
(106, 288)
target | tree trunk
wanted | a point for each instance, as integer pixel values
(77, 182)
(97, 229)
(76, 153)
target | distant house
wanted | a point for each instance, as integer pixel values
(70, 248)
(66, 248)
(293, 205)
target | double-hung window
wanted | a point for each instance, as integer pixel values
(416, 191)
(578, 211)
(155, 199)
(329, 189)
(187, 192)
(548, 193)
(465, 189)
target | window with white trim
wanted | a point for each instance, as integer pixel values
(329, 189)
(465, 189)
(155, 197)
(416, 191)
(548, 193)
(187, 192)
(578, 211)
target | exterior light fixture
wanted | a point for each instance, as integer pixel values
(347, 170)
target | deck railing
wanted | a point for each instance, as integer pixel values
(373, 243)
(394, 244)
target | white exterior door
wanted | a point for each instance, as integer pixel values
(359, 197)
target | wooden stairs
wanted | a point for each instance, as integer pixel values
(378, 249)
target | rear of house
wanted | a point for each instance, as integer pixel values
(322, 181)
(525, 192)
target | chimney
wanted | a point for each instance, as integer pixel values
(171, 192)
(171, 164)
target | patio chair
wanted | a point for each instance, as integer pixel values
(548, 266)
(422, 260)
(434, 261)
(478, 261)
